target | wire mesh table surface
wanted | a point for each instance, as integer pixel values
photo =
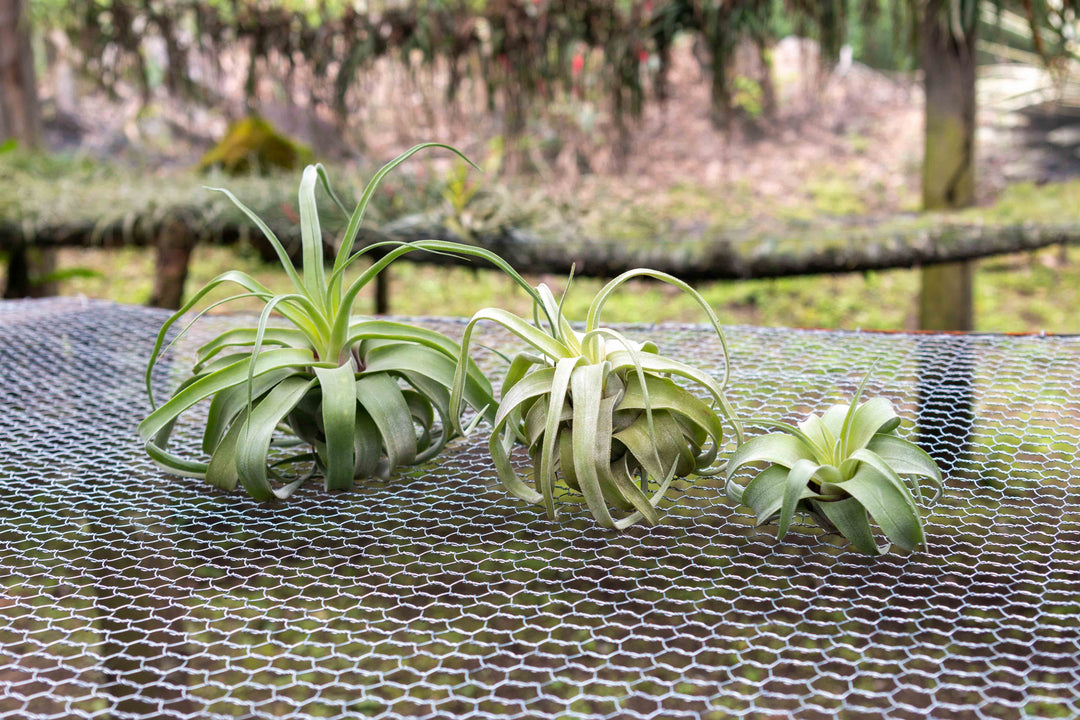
(128, 593)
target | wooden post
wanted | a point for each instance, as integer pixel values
(946, 299)
(27, 273)
(947, 56)
(946, 392)
(382, 292)
(174, 245)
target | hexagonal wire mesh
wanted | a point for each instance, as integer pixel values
(131, 594)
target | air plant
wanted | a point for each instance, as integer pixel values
(843, 468)
(599, 411)
(349, 396)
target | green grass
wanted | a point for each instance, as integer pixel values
(1023, 293)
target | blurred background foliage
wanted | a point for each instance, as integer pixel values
(340, 38)
(585, 113)
(545, 68)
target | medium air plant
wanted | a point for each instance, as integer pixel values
(843, 468)
(350, 397)
(599, 411)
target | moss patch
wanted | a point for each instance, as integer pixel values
(254, 145)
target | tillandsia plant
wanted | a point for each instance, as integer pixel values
(599, 411)
(349, 396)
(843, 468)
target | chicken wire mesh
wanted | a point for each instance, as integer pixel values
(130, 594)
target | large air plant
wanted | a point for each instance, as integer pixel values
(599, 411)
(349, 397)
(843, 468)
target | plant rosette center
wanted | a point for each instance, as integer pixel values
(844, 469)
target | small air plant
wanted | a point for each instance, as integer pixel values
(600, 411)
(843, 469)
(352, 397)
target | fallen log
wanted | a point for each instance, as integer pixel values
(728, 255)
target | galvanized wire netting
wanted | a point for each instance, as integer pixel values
(130, 594)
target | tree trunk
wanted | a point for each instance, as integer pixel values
(765, 79)
(722, 103)
(948, 177)
(721, 109)
(515, 121)
(20, 118)
(946, 396)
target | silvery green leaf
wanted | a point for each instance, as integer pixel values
(338, 420)
(765, 493)
(253, 446)
(868, 419)
(878, 489)
(795, 488)
(906, 458)
(850, 519)
(775, 448)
